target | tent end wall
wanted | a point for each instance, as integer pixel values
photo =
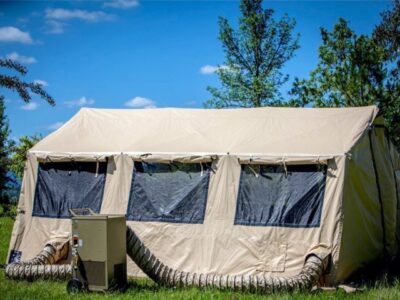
(369, 204)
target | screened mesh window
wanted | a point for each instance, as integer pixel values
(270, 196)
(174, 192)
(64, 185)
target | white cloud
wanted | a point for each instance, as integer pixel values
(122, 3)
(210, 69)
(55, 126)
(141, 102)
(55, 27)
(21, 58)
(82, 101)
(41, 82)
(29, 106)
(13, 34)
(79, 14)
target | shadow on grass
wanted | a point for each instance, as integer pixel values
(378, 274)
(140, 285)
(143, 285)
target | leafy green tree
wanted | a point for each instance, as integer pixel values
(5, 150)
(350, 71)
(255, 54)
(387, 35)
(19, 153)
(23, 88)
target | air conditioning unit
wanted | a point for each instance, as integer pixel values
(99, 252)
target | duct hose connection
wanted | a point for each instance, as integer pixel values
(309, 276)
(44, 265)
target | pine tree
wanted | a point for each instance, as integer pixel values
(255, 54)
(20, 86)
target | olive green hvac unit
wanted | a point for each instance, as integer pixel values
(100, 243)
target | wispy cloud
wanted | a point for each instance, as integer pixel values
(210, 69)
(61, 14)
(141, 102)
(21, 58)
(56, 18)
(29, 106)
(13, 34)
(82, 101)
(55, 27)
(124, 4)
(55, 126)
(41, 82)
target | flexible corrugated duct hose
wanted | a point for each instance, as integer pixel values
(44, 266)
(313, 269)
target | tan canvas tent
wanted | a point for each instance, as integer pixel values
(238, 191)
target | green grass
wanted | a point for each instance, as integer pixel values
(6, 225)
(145, 289)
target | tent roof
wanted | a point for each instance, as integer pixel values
(251, 131)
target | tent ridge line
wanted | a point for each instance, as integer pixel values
(146, 153)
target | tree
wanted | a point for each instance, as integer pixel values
(350, 71)
(24, 90)
(255, 54)
(19, 153)
(21, 87)
(5, 149)
(387, 35)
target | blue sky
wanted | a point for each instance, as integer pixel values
(132, 53)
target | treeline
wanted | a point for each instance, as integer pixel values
(352, 69)
(12, 163)
(13, 153)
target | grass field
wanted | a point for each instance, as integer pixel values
(145, 289)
